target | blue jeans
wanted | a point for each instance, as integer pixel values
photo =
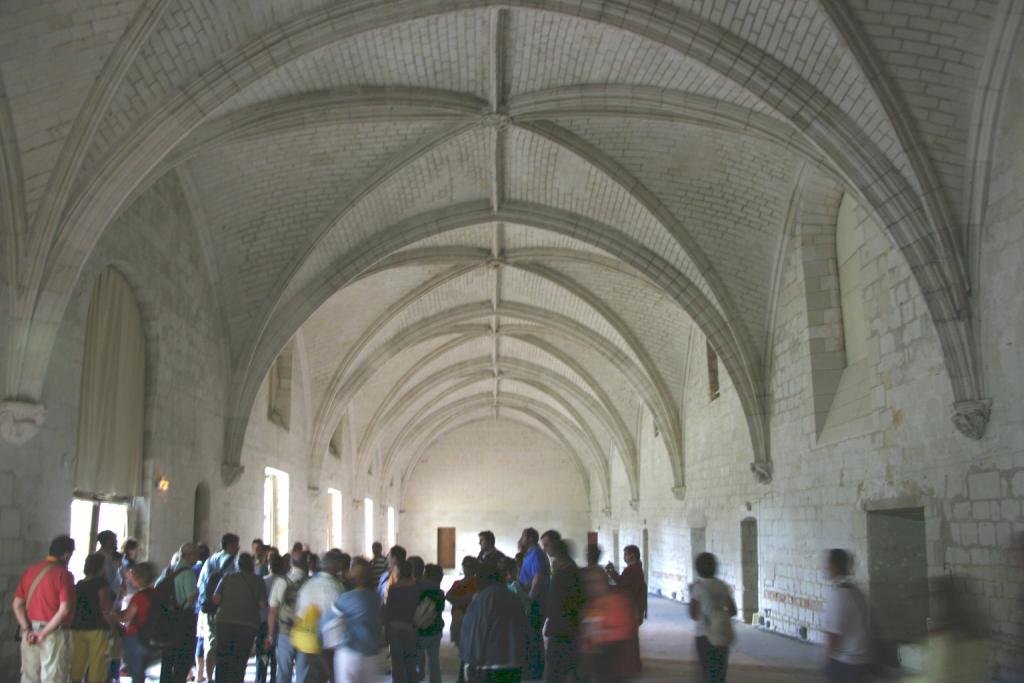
(285, 658)
(431, 645)
(136, 658)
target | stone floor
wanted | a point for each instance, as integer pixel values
(669, 654)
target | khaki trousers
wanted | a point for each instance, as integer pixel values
(48, 662)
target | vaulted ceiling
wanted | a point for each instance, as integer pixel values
(472, 208)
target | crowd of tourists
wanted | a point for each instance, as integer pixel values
(535, 615)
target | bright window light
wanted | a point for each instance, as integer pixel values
(275, 508)
(333, 518)
(392, 536)
(88, 518)
(368, 526)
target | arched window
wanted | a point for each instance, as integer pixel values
(111, 410)
(113, 397)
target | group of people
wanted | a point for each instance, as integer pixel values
(315, 619)
(535, 615)
(538, 615)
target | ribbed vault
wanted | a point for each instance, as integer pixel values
(474, 207)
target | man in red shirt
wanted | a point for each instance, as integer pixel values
(44, 606)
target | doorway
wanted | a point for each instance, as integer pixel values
(898, 572)
(748, 561)
(88, 518)
(446, 547)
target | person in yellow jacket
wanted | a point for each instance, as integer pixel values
(314, 663)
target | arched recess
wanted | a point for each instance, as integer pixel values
(743, 369)
(469, 379)
(421, 431)
(400, 397)
(459, 321)
(111, 411)
(464, 261)
(538, 261)
(930, 250)
(527, 419)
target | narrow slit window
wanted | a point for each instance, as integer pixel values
(713, 388)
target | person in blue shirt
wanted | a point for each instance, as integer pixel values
(536, 570)
(219, 565)
(355, 660)
(534, 578)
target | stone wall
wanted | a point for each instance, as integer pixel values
(905, 454)
(156, 245)
(500, 476)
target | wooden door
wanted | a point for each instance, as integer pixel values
(749, 567)
(446, 547)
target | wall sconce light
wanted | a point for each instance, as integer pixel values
(163, 484)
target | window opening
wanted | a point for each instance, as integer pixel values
(368, 526)
(392, 535)
(713, 388)
(275, 507)
(333, 518)
(88, 518)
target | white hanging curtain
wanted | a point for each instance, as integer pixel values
(110, 415)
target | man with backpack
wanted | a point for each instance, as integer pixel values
(284, 592)
(178, 592)
(219, 565)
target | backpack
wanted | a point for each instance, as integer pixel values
(163, 625)
(209, 606)
(425, 614)
(291, 596)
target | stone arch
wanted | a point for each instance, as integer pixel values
(540, 378)
(464, 261)
(459, 321)
(520, 404)
(396, 400)
(930, 251)
(743, 369)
